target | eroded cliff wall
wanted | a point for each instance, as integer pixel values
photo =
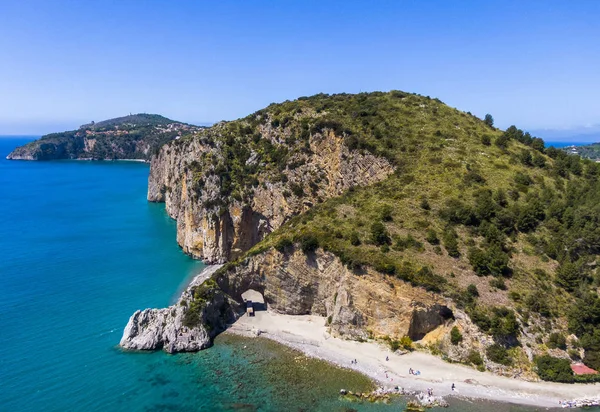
(356, 305)
(218, 227)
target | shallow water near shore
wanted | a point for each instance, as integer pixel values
(80, 250)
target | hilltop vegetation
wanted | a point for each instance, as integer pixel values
(506, 228)
(129, 137)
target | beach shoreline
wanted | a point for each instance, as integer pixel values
(308, 334)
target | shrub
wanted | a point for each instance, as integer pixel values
(498, 283)
(538, 160)
(504, 325)
(430, 281)
(456, 211)
(379, 234)
(297, 190)
(538, 302)
(432, 237)
(472, 177)
(455, 336)
(386, 214)
(554, 369)
(523, 178)
(492, 261)
(481, 319)
(425, 204)
(406, 342)
(451, 243)
(574, 354)
(475, 358)
(502, 141)
(403, 243)
(557, 341)
(354, 239)
(472, 290)
(498, 354)
(309, 243)
(486, 139)
(283, 244)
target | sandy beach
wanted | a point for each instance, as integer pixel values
(309, 335)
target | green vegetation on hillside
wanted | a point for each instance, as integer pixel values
(467, 204)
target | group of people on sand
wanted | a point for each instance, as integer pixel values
(354, 361)
(413, 372)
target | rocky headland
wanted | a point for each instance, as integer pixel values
(152, 329)
(133, 137)
(394, 218)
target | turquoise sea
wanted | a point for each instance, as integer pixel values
(80, 250)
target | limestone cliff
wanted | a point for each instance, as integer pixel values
(217, 226)
(295, 284)
(317, 283)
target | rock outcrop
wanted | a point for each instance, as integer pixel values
(356, 306)
(217, 227)
(152, 329)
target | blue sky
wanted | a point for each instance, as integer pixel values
(530, 63)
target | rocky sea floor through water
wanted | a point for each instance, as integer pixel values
(256, 374)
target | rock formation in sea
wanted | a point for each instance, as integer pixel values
(152, 329)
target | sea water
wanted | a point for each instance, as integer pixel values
(80, 250)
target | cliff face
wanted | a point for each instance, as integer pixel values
(217, 227)
(152, 329)
(357, 305)
(295, 284)
(129, 137)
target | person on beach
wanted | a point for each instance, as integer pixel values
(387, 359)
(410, 370)
(453, 387)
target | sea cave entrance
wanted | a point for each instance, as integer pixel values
(254, 301)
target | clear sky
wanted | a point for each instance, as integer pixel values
(532, 63)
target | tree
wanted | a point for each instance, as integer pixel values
(489, 120)
(451, 243)
(502, 141)
(492, 261)
(554, 369)
(567, 276)
(538, 144)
